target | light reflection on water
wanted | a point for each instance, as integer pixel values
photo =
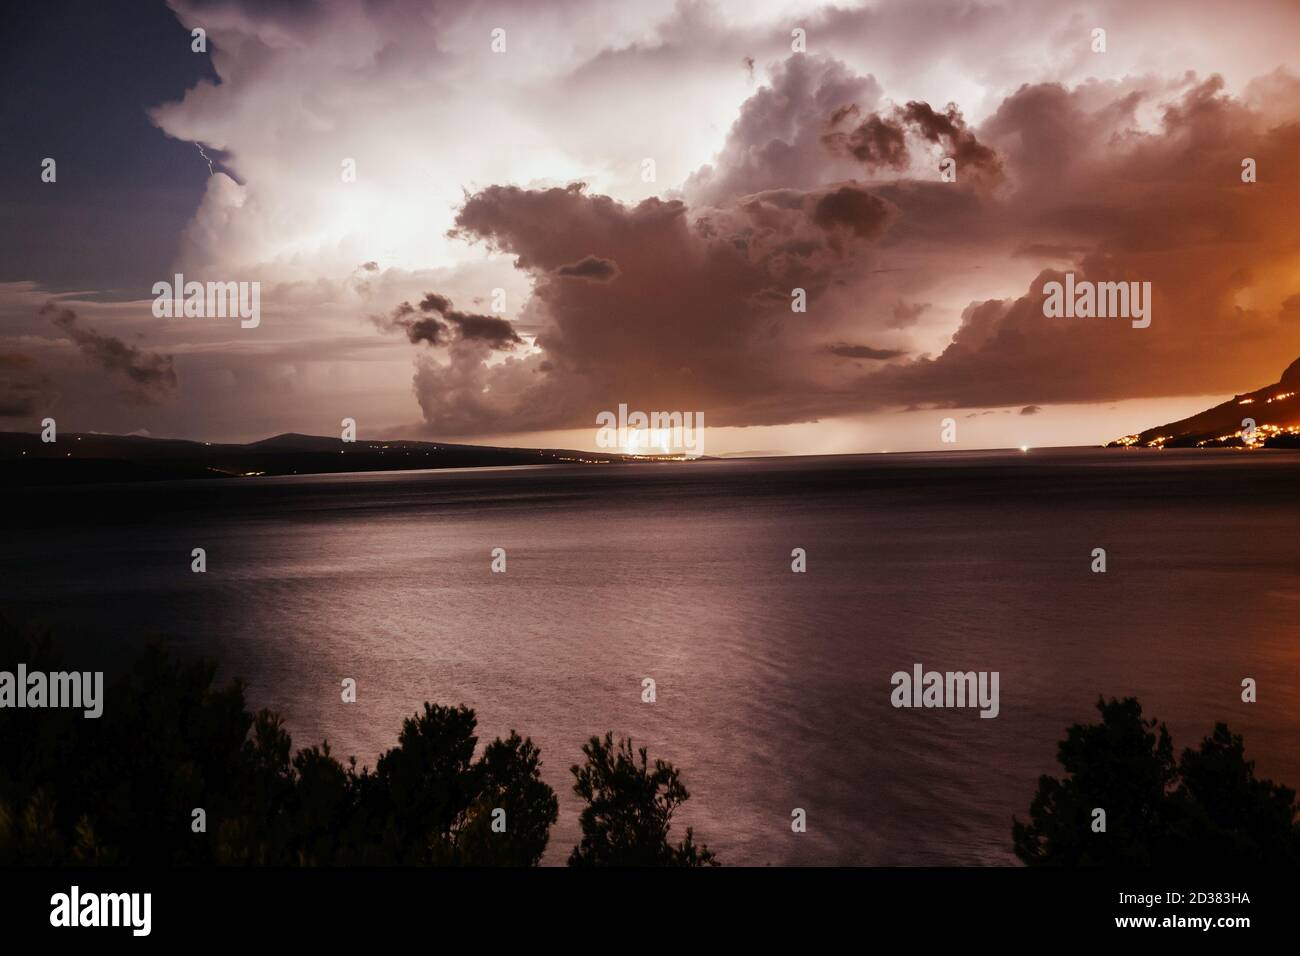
(773, 687)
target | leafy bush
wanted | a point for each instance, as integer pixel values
(1207, 808)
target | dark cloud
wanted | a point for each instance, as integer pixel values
(1165, 206)
(875, 142)
(438, 323)
(863, 352)
(700, 318)
(949, 130)
(1130, 177)
(880, 142)
(152, 376)
(851, 208)
(591, 267)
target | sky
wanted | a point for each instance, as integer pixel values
(491, 222)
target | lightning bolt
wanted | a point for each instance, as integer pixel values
(205, 157)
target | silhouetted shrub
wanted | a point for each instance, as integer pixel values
(629, 809)
(1208, 808)
(121, 788)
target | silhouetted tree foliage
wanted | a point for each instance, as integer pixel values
(629, 809)
(1206, 808)
(121, 788)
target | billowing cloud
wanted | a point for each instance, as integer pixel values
(948, 129)
(698, 317)
(853, 209)
(1166, 205)
(776, 142)
(778, 175)
(875, 142)
(881, 142)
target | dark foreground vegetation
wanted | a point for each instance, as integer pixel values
(123, 788)
(1206, 808)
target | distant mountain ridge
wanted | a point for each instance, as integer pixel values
(1275, 410)
(89, 457)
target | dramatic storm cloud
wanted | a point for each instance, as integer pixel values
(1166, 205)
(698, 315)
(700, 311)
(664, 204)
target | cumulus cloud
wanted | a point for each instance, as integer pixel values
(821, 177)
(776, 142)
(1165, 206)
(700, 317)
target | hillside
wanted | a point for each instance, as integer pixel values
(1275, 409)
(89, 457)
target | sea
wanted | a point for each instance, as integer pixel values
(772, 686)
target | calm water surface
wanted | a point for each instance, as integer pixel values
(773, 687)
